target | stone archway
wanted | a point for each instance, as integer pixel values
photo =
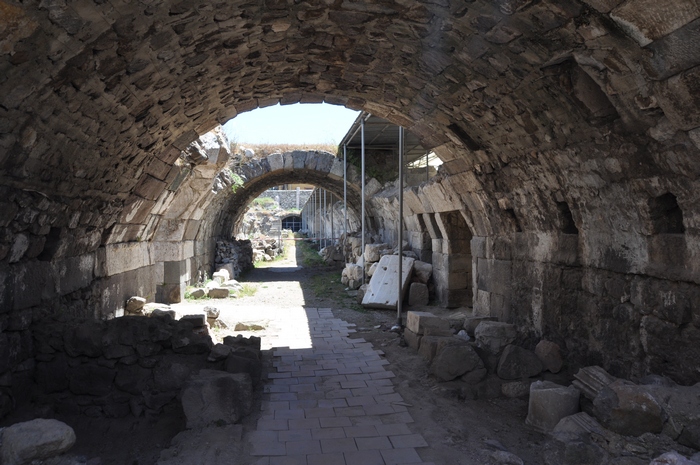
(310, 167)
(588, 103)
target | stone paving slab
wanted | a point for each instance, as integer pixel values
(332, 402)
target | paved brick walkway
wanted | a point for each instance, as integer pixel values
(333, 403)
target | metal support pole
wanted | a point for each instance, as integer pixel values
(362, 175)
(325, 207)
(332, 238)
(399, 301)
(427, 167)
(324, 230)
(345, 191)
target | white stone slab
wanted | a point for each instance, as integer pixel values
(383, 287)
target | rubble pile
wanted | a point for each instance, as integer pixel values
(235, 256)
(419, 290)
(220, 286)
(333, 255)
(259, 221)
(266, 249)
(596, 419)
(136, 365)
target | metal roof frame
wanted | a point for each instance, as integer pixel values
(381, 134)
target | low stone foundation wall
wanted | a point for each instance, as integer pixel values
(131, 365)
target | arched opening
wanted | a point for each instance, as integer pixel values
(111, 185)
(292, 222)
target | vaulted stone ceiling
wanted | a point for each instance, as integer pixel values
(93, 91)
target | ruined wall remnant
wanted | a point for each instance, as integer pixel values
(131, 365)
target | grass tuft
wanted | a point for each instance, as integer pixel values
(307, 254)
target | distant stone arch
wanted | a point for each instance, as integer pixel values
(292, 222)
(319, 168)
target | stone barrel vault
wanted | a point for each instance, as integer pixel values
(321, 169)
(570, 132)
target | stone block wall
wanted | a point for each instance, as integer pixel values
(131, 365)
(288, 198)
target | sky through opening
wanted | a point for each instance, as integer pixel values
(292, 124)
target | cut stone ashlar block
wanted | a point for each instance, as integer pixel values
(549, 403)
(494, 336)
(419, 321)
(383, 291)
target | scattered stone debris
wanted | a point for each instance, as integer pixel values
(549, 403)
(219, 287)
(134, 306)
(382, 290)
(599, 419)
(233, 256)
(332, 255)
(352, 276)
(133, 364)
(266, 249)
(218, 292)
(37, 439)
(419, 285)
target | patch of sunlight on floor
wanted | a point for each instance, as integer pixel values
(284, 325)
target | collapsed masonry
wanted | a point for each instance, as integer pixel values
(597, 419)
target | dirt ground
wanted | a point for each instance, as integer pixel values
(459, 431)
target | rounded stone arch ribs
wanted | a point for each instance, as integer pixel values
(321, 169)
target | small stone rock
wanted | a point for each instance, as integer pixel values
(372, 269)
(412, 339)
(672, 458)
(212, 313)
(422, 271)
(549, 403)
(516, 363)
(373, 252)
(35, 440)
(197, 293)
(135, 305)
(218, 292)
(361, 291)
(152, 306)
(515, 389)
(471, 322)
(221, 276)
(454, 360)
(232, 284)
(418, 294)
(197, 319)
(549, 354)
(494, 336)
(418, 321)
(628, 409)
(161, 313)
(219, 352)
(475, 376)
